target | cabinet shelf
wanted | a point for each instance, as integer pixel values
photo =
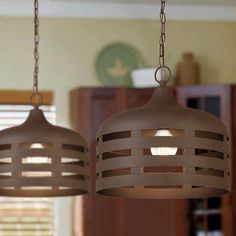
(207, 212)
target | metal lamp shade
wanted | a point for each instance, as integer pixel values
(196, 162)
(38, 159)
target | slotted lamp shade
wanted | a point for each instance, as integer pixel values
(163, 151)
(38, 159)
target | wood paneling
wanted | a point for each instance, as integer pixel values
(233, 197)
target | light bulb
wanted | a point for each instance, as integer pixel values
(163, 151)
(37, 160)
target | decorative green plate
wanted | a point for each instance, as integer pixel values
(115, 64)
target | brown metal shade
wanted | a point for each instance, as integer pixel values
(131, 162)
(38, 159)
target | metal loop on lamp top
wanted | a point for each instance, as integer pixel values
(36, 99)
(38, 159)
(163, 81)
(163, 151)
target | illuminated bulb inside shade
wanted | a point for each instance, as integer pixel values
(37, 160)
(163, 151)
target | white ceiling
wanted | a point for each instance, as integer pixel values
(176, 2)
(212, 10)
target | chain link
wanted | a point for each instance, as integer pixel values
(162, 67)
(36, 46)
(163, 34)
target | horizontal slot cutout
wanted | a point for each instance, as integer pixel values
(6, 174)
(117, 172)
(209, 171)
(7, 188)
(32, 188)
(116, 154)
(3, 177)
(116, 135)
(160, 151)
(6, 160)
(209, 153)
(65, 188)
(5, 147)
(36, 145)
(73, 147)
(162, 132)
(37, 174)
(72, 161)
(163, 169)
(68, 174)
(36, 160)
(73, 176)
(209, 135)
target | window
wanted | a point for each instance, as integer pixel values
(24, 216)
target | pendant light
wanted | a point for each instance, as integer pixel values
(38, 159)
(163, 150)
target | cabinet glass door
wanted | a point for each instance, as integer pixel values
(210, 217)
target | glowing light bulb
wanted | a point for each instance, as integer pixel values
(37, 160)
(163, 151)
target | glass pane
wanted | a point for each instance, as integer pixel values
(214, 203)
(206, 213)
(212, 105)
(214, 223)
(194, 103)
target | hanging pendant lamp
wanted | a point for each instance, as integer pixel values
(163, 150)
(38, 159)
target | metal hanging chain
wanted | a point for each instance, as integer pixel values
(36, 97)
(162, 40)
(36, 45)
(163, 34)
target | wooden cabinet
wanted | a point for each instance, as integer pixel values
(106, 216)
(233, 196)
(216, 214)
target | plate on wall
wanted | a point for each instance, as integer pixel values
(115, 64)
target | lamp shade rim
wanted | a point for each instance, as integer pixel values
(163, 194)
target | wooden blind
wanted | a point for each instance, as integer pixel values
(24, 216)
